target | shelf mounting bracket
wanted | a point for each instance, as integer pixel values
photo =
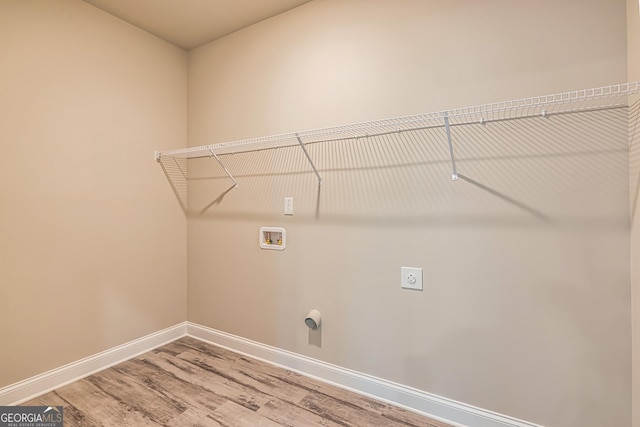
(454, 171)
(309, 159)
(214, 155)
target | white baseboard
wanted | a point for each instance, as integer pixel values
(437, 407)
(22, 391)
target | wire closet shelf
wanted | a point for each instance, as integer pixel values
(605, 97)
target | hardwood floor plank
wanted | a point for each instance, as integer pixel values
(346, 413)
(137, 396)
(267, 369)
(191, 396)
(99, 408)
(250, 374)
(385, 410)
(291, 415)
(193, 418)
(304, 384)
(233, 415)
(192, 383)
(73, 417)
(209, 380)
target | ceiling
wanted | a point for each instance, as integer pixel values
(191, 23)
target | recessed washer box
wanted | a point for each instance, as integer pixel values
(274, 238)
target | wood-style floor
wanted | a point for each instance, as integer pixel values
(192, 383)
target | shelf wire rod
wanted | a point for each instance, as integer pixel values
(454, 171)
(184, 174)
(565, 102)
(309, 159)
(224, 167)
(204, 151)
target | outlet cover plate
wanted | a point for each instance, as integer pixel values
(288, 205)
(411, 278)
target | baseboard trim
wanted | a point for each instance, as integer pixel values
(446, 410)
(30, 388)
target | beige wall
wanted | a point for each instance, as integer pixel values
(526, 303)
(633, 48)
(92, 242)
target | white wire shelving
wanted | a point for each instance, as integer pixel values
(606, 97)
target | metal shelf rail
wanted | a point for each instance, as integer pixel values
(606, 97)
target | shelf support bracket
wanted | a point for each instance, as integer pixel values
(214, 155)
(309, 159)
(454, 171)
